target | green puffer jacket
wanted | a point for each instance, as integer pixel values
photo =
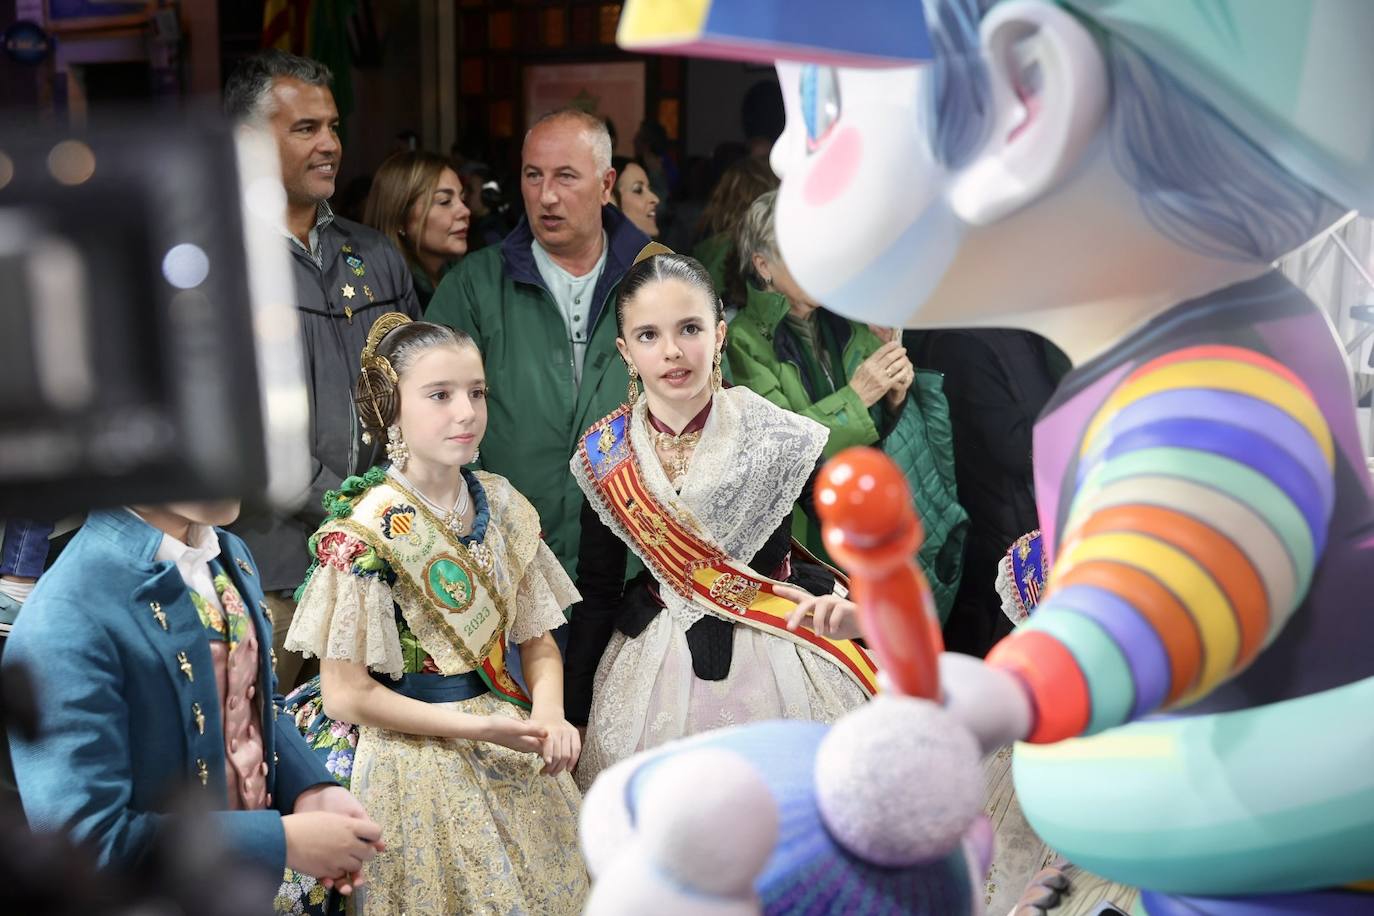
(767, 356)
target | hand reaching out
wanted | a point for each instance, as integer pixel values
(827, 615)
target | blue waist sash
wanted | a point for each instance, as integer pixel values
(438, 688)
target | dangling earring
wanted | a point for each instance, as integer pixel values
(396, 449)
(632, 393)
(716, 380)
(476, 455)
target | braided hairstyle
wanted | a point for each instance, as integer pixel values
(378, 393)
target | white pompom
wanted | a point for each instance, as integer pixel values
(705, 826)
(709, 821)
(898, 781)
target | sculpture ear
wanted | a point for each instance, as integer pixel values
(1049, 98)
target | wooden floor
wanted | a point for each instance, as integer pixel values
(1020, 854)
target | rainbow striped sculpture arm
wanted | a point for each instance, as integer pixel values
(1203, 492)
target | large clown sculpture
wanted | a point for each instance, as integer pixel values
(1194, 691)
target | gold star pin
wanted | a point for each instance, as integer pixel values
(348, 292)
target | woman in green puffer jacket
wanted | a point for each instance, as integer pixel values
(858, 384)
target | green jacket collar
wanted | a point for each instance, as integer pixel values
(625, 240)
(765, 308)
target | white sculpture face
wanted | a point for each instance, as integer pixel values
(863, 217)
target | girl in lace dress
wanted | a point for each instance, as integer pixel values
(423, 574)
(699, 482)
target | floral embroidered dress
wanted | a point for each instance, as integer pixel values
(470, 826)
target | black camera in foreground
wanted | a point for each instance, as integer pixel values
(148, 348)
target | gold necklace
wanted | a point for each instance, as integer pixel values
(452, 518)
(679, 449)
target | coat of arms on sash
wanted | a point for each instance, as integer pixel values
(734, 592)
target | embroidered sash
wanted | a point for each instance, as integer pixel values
(681, 557)
(1029, 568)
(443, 587)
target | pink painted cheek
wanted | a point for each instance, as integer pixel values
(833, 173)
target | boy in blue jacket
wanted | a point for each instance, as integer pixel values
(150, 652)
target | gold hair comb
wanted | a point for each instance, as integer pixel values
(370, 362)
(651, 249)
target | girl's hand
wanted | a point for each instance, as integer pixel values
(563, 744)
(526, 736)
(827, 615)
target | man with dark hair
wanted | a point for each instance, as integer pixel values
(541, 307)
(346, 275)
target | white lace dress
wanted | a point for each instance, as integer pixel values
(745, 475)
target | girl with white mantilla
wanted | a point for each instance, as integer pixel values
(700, 483)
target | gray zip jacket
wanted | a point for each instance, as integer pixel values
(360, 277)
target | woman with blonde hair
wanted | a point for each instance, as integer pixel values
(417, 201)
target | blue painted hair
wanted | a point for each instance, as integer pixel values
(1201, 182)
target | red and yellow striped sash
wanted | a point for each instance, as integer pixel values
(693, 568)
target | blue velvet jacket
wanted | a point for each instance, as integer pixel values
(123, 676)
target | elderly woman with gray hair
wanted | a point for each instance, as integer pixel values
(855, 380)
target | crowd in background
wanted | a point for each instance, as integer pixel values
(527, 265)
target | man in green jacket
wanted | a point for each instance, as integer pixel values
(541, 307)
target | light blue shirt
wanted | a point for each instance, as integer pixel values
(573, 296)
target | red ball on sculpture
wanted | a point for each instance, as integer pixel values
(863, 494)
